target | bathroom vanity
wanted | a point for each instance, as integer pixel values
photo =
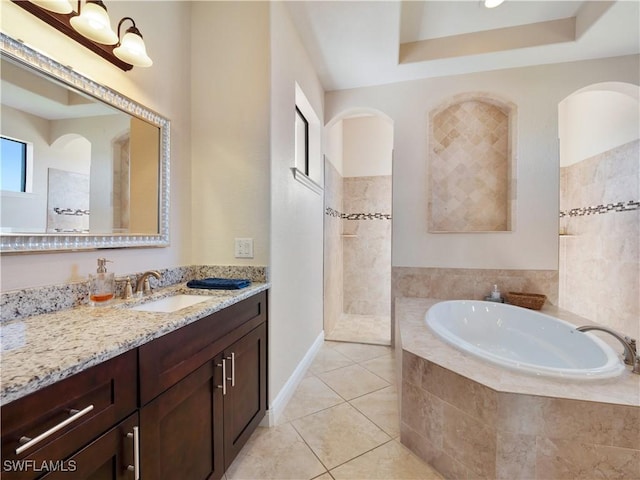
(178, 398)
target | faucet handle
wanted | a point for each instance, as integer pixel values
(128, 289)
(147, 286)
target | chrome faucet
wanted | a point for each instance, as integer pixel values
(630, 353)
(142, 285)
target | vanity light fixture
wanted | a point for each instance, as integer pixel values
(93, 23)
(492, 3)
(131, 48)
(58, 6)
(90, 26)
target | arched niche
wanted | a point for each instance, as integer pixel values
(470, 164)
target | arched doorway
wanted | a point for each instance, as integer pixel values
(357, 236)
(599, 258)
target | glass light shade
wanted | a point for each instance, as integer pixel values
(57, 6)
(492, 3)
(93, 23)
(133, 51)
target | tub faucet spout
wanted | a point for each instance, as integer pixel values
(630, 354)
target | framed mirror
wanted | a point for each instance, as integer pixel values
(83, 167)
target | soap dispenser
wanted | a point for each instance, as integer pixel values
(495, 295)
(102, 284)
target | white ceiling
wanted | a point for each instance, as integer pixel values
(358, 43)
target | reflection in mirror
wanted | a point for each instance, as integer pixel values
(82, 166)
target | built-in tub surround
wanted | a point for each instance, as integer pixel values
(16, 304)
(522, 340)
(471, 419)
(468, 283)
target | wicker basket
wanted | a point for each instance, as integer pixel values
(534, 301)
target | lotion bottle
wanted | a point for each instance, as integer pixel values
(102, 284)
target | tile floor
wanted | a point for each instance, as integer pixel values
(375, 329)
(341, 423)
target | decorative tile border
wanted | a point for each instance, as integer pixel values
(600, 209)
(357, 216)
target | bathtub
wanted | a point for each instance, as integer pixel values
(522, 340)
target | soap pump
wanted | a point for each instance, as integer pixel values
(102, 284)
(495, 295)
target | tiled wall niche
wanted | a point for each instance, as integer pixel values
(600, 246)
(470, 150)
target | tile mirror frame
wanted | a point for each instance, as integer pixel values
(48, 242)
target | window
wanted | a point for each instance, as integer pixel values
(15, 159)
(302, 142)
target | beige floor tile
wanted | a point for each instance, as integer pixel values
(339, 434)
(324, 476)
(353, 381)
(359, 352)
(311, 396)
(381, 408)
(384, 367)
(275, 453)
(328, 359)
(375, 329)
(390, 461)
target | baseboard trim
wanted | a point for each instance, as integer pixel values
(276, 409)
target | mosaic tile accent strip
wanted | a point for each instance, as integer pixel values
(357, 216)
(600, 209)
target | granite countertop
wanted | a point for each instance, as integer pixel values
(42, 349)
(417, 338)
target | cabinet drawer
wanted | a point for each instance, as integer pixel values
(168, 359)
(107, 393)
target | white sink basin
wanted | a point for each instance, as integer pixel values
(171, 304)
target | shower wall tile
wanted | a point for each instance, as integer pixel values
(333, 248)
(600, 252)
(367, 256)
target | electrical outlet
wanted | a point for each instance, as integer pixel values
(244, 247)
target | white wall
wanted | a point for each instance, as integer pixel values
(230, 130)
(537, 92)
(606, 119)
(367, 146)
(295, 319)
(164, 88)
(333, 144)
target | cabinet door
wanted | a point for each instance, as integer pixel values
(66, 416)
(110, 457)
(181, 430)
(246, 394)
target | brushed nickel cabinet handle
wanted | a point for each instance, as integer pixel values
(135, 468)
(233, 369)
(224, 376)
(30, 442)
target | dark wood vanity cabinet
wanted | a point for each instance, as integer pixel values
(211, 376)
(67, 416)
(188, 401)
